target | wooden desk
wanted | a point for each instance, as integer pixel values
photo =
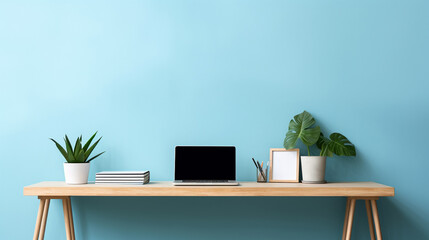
(368, 191)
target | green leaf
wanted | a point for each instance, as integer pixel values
(322, 144)
(80, 158)
(63, 152)
(341, 146)
(290, 139)
(95, 156)
(68, 144)
(86, 146)
(87, 153)
(301, 128)
(336, 144)
(77, 147)
(320, 141)
(70, 156)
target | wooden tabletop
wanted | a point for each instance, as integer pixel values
(345, 189)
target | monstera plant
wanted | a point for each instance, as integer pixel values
(301, 127)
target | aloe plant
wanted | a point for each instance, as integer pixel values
(80, 153)
(302, 127)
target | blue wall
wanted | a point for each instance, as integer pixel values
(149, 75)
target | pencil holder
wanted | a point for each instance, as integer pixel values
(261, 178)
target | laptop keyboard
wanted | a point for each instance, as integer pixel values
(205, 181)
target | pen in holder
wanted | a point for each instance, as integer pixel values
(261, 174)
(261, 178)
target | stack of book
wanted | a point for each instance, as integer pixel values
(123, 177)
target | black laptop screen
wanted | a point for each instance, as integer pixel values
(204, 163)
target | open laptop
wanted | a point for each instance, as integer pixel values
(204, 165)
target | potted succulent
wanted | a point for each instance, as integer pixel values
(313, 167)
(76, 169)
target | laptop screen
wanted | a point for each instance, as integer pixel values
(204, 163)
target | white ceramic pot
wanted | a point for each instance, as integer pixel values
(313, 169)
(76, 173)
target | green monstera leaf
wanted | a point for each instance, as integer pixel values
(336, 144)
(300, 127)
(322, 144)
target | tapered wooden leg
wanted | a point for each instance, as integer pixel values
(44, 218)
(346, 218)
(376, 219)
(71, 219)
(350, 220)
(370, 220)
(67, 218)
(39, 219)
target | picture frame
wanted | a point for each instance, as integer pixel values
(284, 165)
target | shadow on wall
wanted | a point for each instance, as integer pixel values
(221, 217)
(404, 221)
(235, 218)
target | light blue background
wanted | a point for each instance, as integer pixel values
(149, 75)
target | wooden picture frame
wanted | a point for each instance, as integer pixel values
(284, 165)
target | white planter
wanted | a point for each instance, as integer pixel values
(313, 169)
(76, 173)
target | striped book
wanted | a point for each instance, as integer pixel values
(122, 177)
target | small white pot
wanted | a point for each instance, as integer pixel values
(313, 169)
(76, 173)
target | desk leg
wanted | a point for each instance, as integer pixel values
(71, 219)
(376, 219)
(373, 219)
(346, 218)
(44, 218)
(350, 220)
(67, 217)
(42, 215)
(370, 219)
(39, 219)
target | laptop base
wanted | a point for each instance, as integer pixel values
(205, 183)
